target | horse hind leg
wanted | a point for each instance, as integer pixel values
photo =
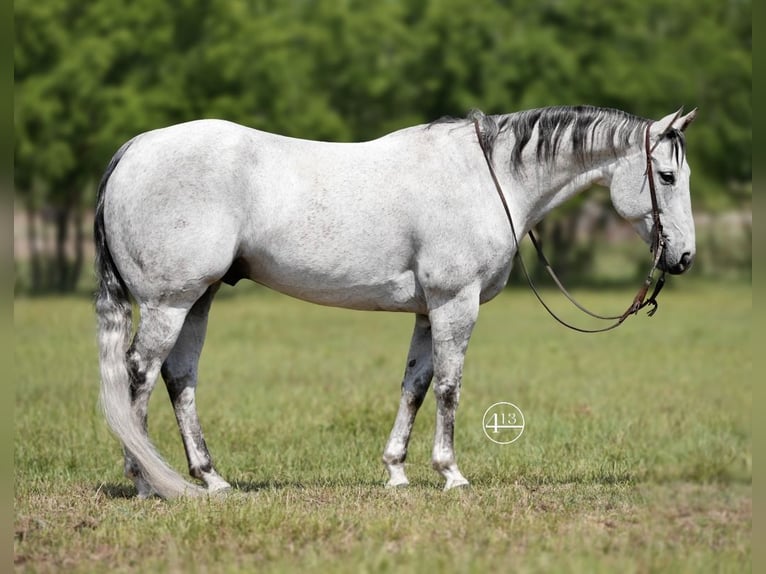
(180, 371)
(158, 329)
(417, 378)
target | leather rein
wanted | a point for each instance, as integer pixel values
(658, 246)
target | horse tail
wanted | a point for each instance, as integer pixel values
(114, 312)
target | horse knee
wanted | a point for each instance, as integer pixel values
(447, 392)
(414, 390)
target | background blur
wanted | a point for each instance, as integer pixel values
(90, 75)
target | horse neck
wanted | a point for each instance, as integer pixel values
(543, 185)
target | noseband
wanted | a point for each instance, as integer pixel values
(657, 248)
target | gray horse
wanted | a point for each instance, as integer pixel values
(409, 222)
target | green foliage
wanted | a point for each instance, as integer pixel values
(637, 455)
(90, 75)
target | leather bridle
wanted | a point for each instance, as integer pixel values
(657, 248)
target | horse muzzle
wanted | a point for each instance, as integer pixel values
(680, 266)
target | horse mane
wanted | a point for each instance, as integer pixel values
(618, 129)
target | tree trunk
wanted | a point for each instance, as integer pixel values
(35, 265)
(79, 239)
(61, 264)
(48, 248)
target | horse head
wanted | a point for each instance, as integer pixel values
(631, 193)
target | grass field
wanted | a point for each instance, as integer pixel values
(636, 456)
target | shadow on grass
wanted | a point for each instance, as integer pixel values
(128, 491)
(112, 490)
(258, 486)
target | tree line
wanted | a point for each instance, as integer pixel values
(90, 75)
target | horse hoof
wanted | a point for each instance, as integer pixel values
(144, 490)
(219, 489)
(145, 495)
(456, 483)
(399, 483)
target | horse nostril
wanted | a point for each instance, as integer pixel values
(683, 264)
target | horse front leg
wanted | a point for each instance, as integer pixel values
(180, 372)
(452, 323)
(417, 378)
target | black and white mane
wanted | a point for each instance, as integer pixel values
(615, 129)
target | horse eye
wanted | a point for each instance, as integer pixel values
(668, 177)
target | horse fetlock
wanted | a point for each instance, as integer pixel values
(443, 464)
(199, 471)
(133, 472)
(207, 474)
(392, 456)
(449, 470)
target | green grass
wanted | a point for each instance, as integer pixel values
(636, 456)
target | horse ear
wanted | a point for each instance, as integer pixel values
(683, 122)
(660, 127)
